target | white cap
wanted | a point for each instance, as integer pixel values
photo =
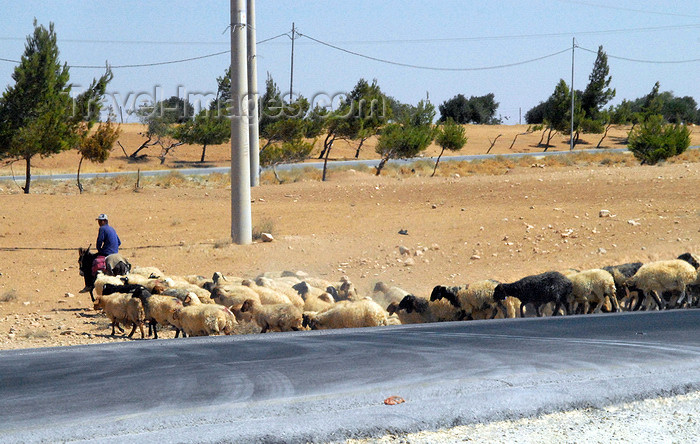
(102, 217)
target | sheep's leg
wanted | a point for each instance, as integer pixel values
(133, 329)
(113, 324)
(598, 306)
(522, 310)
(92, 296)
(680, 300)
(615, 303)
(537, 310)
(641, 297)
(141, 328)
(657, 299)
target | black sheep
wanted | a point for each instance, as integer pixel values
(440, 292)
(411, 303)
(538, 290)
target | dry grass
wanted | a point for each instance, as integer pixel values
(8, 296)
(36, 334)
(266, 225)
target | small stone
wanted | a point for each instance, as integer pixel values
(633, 222)
(475, 257)
(403, 250)
(266, 237)
(602, 250)
(604, 213)
(433, 206)
(69, 295)
(408, 262)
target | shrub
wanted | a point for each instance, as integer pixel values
(652, 141)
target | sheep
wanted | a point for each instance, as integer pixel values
(476, 300)
(693, 289)
(620, 274)
(347, 290)
(384, 294)
(205, 320)
(540, 289)
(426, 311)
(234, 295)
(103, 279)
(404, 317)
(281, 287)
(656, 277)
(315, 299)
(274, 317)
(148, 272)
(266, 295)
(122, 308)
(347, 314)
(158, 309)
(203, 294)
(592, 286)
(690, 258)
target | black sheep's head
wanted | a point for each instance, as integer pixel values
(306, 319)
(410, 303)
(438, 293)
(302, 288)
(691, 259)
(332, 291)
(499, 293)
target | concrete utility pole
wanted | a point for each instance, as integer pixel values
(291, 75)
(253, 136)
(573, 46)
(241, 224)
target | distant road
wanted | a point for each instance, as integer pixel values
(328, 385)
(318, 165)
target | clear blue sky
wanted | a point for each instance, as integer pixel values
(445, 34)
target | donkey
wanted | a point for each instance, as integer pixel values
(112, 265)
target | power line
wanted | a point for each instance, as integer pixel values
(642, 61)
(619, 8)
(170, 62)
(522, 36)
(431, 68)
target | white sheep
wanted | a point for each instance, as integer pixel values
(122, 308)
(274, 317)
(656, 277)
(592, 287)
(103, 279)
(424, 310)
(205, 320)
(385, 295)
(347, 314)
(281, 287)
(148, 272)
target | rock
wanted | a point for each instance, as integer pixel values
(408, 262)
(604, 213)
(266, 237)
(633, 222)
(403, 250)
(433, 206)
(475, 257)
(404, 232)
(69, 295)
(602, 250)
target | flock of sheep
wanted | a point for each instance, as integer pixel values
(287, 301)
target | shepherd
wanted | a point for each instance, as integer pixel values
(108, 260)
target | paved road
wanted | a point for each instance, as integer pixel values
(317, 165)
(322, 386)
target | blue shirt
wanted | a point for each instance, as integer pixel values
(107, 241)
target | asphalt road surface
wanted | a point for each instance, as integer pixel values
(328, 386)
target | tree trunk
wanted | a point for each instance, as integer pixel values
(542, 137)
(549, 138)
(27, 175)
(359, 147)
(204, 150)
(605, 134)
(513, 143)
(145, 144)
(274, 171)
(436, 163)
(326, 145)
(381, 165)
(493, 143)
(80, 185)
(327, 152)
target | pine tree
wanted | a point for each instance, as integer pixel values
(598, 92)
(35, 113)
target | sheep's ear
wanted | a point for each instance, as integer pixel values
(332, 291)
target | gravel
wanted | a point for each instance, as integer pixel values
(660, 420)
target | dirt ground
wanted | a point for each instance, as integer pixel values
(502, 226)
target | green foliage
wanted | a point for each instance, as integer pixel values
(97, 145)
(477, 110)
(407, 139)
(207, 128)
(653, 141)
(598, 92)
(451, 136)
